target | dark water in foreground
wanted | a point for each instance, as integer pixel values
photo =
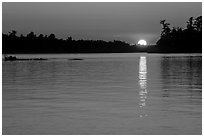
(103, 94)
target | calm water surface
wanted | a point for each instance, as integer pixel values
(103, 94)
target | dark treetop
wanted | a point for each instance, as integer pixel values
(172, 40)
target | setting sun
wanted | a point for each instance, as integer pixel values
(142, 42)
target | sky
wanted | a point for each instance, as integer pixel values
(123, 21)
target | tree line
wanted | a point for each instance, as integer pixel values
(31, 43)
(179, 39)
(172, 40)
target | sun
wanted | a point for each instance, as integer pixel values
(142, 42)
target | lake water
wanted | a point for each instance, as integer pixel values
(103, 94)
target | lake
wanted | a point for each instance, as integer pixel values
(103, 94)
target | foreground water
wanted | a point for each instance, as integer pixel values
(103, 94)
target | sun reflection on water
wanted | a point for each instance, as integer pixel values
(143, 83)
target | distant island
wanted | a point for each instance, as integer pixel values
(172, 40)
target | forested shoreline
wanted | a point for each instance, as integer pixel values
(172, 40)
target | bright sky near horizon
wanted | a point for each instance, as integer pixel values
(106, 21)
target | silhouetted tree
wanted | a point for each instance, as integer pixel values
(12, 33)
(165, 30)
(190, 23)
(52, 36)
(69, 39)
(198, 23)
(41, 36)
